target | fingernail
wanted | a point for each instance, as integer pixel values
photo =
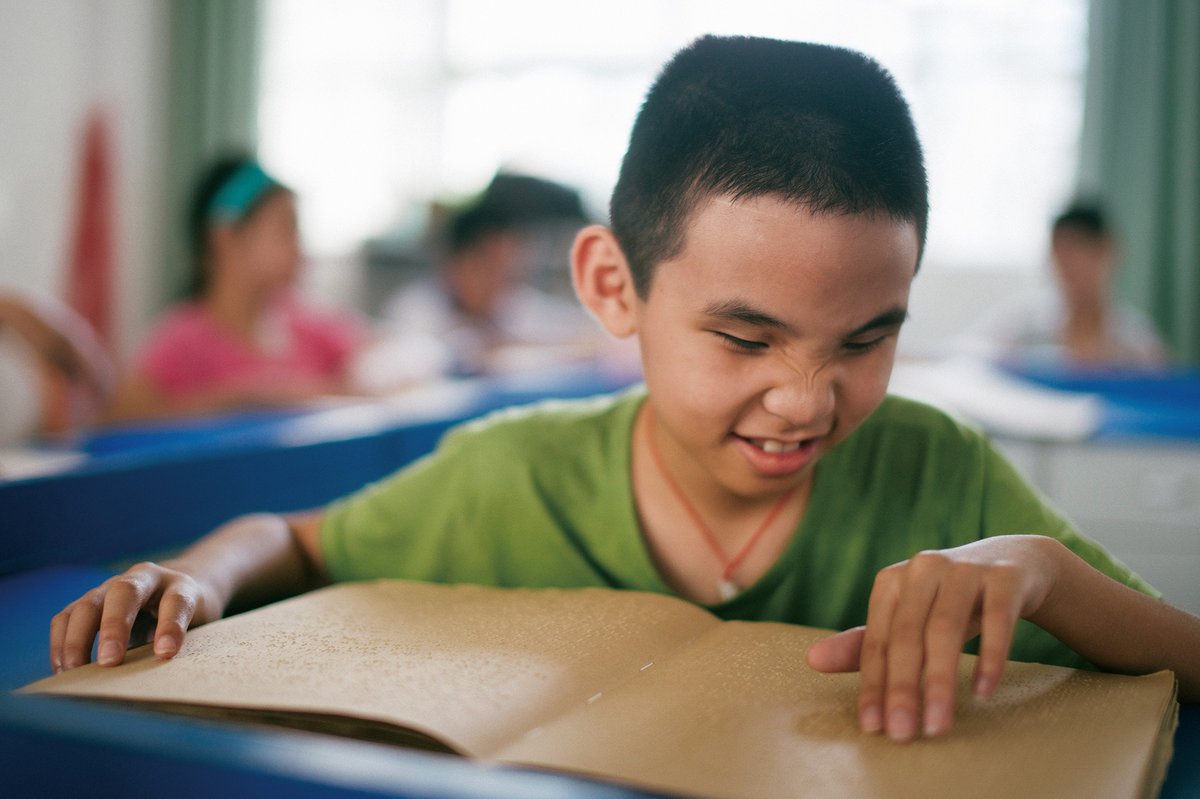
(937, 719)
(109, 653)
(901, 725)
(983, 686)
(165, 646)
(870, 719)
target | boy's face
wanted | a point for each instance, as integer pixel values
(770, 339)
(483, 275)
(1083, 263)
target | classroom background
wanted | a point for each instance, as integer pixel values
(374, 109)
(382, 114)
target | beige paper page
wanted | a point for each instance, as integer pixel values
(471, 667)
(739, 714)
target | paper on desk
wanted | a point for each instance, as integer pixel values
(19, 463)
(1000, 403)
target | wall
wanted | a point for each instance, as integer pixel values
(946, 301)
(58, 59)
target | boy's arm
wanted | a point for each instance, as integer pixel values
(248, 561)
(924, 609)
(1120, 629)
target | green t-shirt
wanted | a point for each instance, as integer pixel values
(542, 497)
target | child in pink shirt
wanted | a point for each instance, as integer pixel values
(192, 354)
(244, 340)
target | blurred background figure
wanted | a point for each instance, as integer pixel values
(498, 298)
(55, 376)
(1081, 324)
(243, 339)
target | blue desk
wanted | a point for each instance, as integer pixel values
(57, 747)
(1136, 405)
(162, 486)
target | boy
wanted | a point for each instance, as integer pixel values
(1081, 324)
(767, 224)
(481, 309)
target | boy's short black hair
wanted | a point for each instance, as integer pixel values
(470, 225)
(821, 126)
(1085, 216)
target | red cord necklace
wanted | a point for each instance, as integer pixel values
(727, 587)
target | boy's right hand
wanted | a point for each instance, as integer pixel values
(125, 610)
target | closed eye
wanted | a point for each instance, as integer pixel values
(863, 347)
(740, 344)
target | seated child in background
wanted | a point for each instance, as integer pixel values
(244, 339)
(480, 311)
(55, 375)
(766, 226)
(1082, 324)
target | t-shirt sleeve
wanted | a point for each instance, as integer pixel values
(394, 528)
(514, 499)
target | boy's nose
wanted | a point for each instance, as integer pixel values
(802, 399)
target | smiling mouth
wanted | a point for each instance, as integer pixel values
(774, 446)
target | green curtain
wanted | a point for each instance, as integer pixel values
(212, 106)
(1141, 154)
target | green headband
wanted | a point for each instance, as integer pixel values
(240, 192)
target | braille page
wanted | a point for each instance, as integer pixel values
(739, 714)
(471, 667)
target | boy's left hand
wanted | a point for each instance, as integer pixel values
(921, 613)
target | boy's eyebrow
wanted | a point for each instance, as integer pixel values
(892, 317)
(739, 311)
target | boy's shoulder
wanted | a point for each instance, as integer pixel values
(601, 421)
(917, 425)
(910, 449)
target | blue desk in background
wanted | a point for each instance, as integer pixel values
(143, 490)
(146, 490)
(1136, 405)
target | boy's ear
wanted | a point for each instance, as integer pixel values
(603, 281)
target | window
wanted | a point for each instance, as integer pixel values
(373, 107)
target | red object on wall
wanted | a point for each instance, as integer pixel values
(90, 270)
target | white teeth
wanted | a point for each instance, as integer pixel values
(773, 446)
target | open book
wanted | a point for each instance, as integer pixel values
(642, 689)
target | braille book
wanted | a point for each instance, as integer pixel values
(640, 689)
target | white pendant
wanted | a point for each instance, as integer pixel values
(727, 589)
